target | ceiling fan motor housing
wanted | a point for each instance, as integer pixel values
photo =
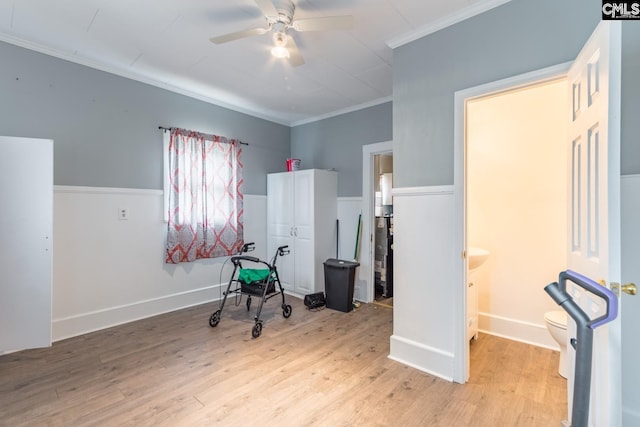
(285, 10)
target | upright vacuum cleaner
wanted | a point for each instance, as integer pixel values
(583, 343)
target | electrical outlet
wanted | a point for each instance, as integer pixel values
(123, 213)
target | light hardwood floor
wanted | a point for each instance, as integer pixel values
(324, 368)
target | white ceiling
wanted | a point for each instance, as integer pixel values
(166, 43)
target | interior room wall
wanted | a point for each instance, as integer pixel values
(517, 206)
(108, 155)
(336, 143)
(517, 37)
(105, 127)
(630, 204)
(108, 271)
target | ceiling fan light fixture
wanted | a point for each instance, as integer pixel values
(280, 49)
(280, 52)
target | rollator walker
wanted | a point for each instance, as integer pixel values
(254, 282)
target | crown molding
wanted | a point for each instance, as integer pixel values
(343, 111)
(446, 21)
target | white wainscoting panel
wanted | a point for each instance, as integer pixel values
(423, 313)
(108, 271)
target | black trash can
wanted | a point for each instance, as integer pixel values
(339, 278)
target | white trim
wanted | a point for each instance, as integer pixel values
(446, 21)
(106, 190)
(350, 199)
(516, 330)
(123, 191)
(630, 176)
(71, 326)
(461, 347)
(414, 354)
(366, 272)
(254, 112)
(343, 111)
(422, 191)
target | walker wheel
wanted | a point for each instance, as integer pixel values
(214, 319)
(248, 303)
(286, 311)
(257, 330)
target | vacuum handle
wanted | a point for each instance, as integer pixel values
(558, 292)
(589, 285)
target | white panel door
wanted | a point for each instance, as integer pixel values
(304, 254)
(26, 222)
(594, 214)
(280, 223)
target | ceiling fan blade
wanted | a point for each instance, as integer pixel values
(327, 23)
(267, 7)
(295, 58)
(238, 35)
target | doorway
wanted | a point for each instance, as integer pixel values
(516, 208)
(461, 276)
(382, 242)
(365, 290)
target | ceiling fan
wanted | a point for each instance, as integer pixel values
(279, 15)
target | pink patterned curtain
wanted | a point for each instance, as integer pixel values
(205, 197)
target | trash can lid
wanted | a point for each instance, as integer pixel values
(341, 263)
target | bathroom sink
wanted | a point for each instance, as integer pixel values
(477, 257)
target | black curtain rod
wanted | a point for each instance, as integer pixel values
(164, 129)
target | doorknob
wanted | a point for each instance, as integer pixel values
(627, 288)
(630, 288)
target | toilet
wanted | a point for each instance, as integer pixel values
(557, 325)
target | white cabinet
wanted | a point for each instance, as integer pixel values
(301, 212)
(26, 221)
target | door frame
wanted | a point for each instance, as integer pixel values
(461, 346)
(366, 270)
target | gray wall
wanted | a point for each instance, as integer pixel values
(518, 37)
(337, 143)
(105, 127)
(630, 117)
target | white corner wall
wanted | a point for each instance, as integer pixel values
(424, 267)
(517, 204)
(108, 271)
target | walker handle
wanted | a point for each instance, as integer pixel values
(236, 259)
(284, 250)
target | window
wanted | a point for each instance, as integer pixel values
(203, 196)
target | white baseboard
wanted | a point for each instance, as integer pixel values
(101, 319)
(516, 330)
(415, 354)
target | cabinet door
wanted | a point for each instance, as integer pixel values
(280, 223)
(303, 232)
